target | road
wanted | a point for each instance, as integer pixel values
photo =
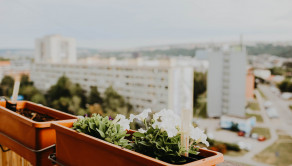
(284, 123)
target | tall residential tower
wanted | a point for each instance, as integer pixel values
(226, 82)
(55, 49)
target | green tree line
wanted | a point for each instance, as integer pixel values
(69, 97)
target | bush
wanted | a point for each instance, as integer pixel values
(231, 146)
(219, 144)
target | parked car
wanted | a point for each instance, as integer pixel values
(241, 133)
(272, 112)
(244, 145)
(261, 138)
(268, 104)
(286, 95)
(254, 135)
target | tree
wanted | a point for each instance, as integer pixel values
(39, 98)
(61, 104)
(94, 96)
(114, 103)
(8, 81)
(25, 81)
(28, 92)
(76, 90)
(200, 85)
(7, 84)
(285, 86)
(61, 89)
(67, 97)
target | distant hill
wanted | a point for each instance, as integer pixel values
(278, 50)
(15, 51)
(255, 49)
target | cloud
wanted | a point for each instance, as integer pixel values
(118, 24)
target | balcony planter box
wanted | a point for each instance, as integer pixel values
(78, 149)
(30, 139)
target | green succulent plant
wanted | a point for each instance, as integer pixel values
(103, 128)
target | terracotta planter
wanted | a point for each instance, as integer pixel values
(78, 149)
(30, 139)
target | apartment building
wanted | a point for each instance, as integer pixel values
(4, 67)
(226, 84)
(55, 49)
(154, 84)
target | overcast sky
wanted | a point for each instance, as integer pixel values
(115, 24)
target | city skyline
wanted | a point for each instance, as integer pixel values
(128, 24)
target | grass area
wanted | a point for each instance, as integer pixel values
(262, 131)
(290, 106)
(235, 154)
(259, 118)
(279, 153)
(254, 106)
(262, 94)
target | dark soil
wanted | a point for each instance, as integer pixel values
(35, 115)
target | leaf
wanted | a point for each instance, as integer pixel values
(101, 126)
(138, 134)
(144, 143)
(108, 139)
(84, 126)
(101, 133)
(91, 125)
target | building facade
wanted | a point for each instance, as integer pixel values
(153, 84)
(144, 87)
(226, 82)
(250, 85)
(55, 49)
(4, 68)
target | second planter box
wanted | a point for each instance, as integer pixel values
(79, 149)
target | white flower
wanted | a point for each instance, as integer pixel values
(122, 121)
(141, 130)
(143, 115)
(198, 135)
(167, 120)
(132, 117)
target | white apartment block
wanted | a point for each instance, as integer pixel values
(55, 49)
(154, 84)
(226, 82)
(143, 86)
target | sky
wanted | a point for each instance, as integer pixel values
(119, 24)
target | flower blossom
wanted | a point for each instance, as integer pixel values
(198, 135)
(143, 115)
(141, 130)
(122, 121)
(167, 120)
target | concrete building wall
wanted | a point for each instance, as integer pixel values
(237, 82)
(5, 66)
(250, 79)
(55, 49)
(144, 87)
(226, 82)
(214, 84)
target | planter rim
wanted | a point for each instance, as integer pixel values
(136, 155)
(36, 124)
